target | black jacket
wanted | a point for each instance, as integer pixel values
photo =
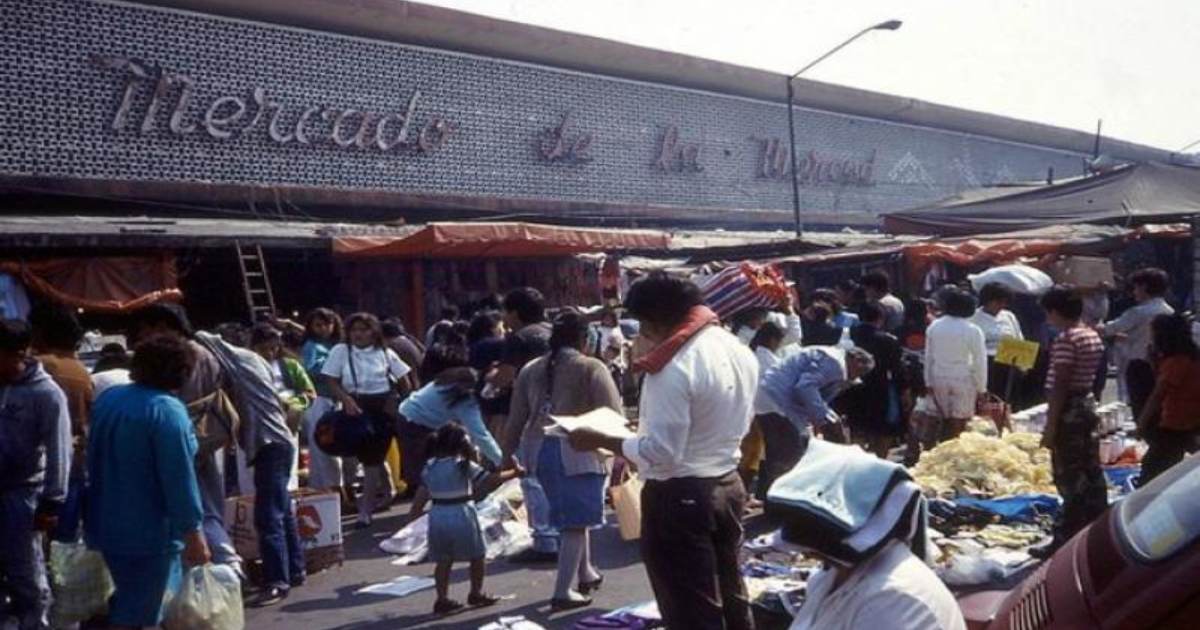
(866, 404)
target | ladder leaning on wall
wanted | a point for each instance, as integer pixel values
(255, 281)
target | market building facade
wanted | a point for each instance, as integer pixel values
(392, 110)
(243, 113)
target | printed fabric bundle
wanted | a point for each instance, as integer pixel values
(742, 286)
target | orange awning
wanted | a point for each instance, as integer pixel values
(499, 240)
(106, 284)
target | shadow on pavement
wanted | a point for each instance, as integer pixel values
(538, 612)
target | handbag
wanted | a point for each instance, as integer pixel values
(339, 434)
(216, 421)
(627, 503)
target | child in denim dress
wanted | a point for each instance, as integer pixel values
(450, 480)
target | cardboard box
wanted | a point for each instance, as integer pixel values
(1083, 271)
(318, 517)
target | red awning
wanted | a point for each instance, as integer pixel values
(499, 240)
(106, 284)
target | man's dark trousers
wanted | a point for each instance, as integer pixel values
(691, 533)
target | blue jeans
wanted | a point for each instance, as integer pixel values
(21, 562)
(278, 538)
(537, 505)
(70, 516)
(210, 477)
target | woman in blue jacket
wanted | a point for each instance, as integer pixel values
(449, 396)
(144, 504)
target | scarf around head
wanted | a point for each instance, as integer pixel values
(697, 319)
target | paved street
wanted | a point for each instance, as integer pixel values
(328, 600)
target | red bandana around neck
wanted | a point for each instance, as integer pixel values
(698, 318)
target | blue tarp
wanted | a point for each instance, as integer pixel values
(1024, 508)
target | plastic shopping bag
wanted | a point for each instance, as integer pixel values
(627, 503)
(80, 582)
(209, 599)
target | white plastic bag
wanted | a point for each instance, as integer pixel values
(209, 599)
(80, 581)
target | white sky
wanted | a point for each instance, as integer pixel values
(1062, 62)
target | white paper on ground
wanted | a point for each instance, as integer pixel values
(645, 610)
(512, 623)
(603, 420)
(504, 530)
(399, 587)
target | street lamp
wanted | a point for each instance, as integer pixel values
(889, 25)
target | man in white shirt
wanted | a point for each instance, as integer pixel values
(1131, 332)
(697, 402)
(955, 362)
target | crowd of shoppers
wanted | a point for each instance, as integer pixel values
(722, 414)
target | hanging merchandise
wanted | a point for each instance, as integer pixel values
(14, 301)
(935, 277)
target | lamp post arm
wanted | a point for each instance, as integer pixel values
(831, 52)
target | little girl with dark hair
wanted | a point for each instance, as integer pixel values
(450, 480)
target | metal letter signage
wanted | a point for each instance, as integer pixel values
(675, 156)
(813, 169)
(231, 116)
(560, 145)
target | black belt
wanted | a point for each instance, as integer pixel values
(454, 501)
(729, 476)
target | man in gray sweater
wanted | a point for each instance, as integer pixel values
(35, 460)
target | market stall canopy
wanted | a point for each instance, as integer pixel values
(499, 240)
(997, 249)
(1130, 195)
(104, 284)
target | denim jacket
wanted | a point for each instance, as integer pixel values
(803, 384)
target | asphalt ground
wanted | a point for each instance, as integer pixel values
(328, 600)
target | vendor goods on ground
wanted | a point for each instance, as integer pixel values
(978, 464)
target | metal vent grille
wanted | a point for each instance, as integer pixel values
(1033, 611)
(59, 109)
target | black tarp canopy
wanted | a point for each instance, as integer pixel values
(1129, 195)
